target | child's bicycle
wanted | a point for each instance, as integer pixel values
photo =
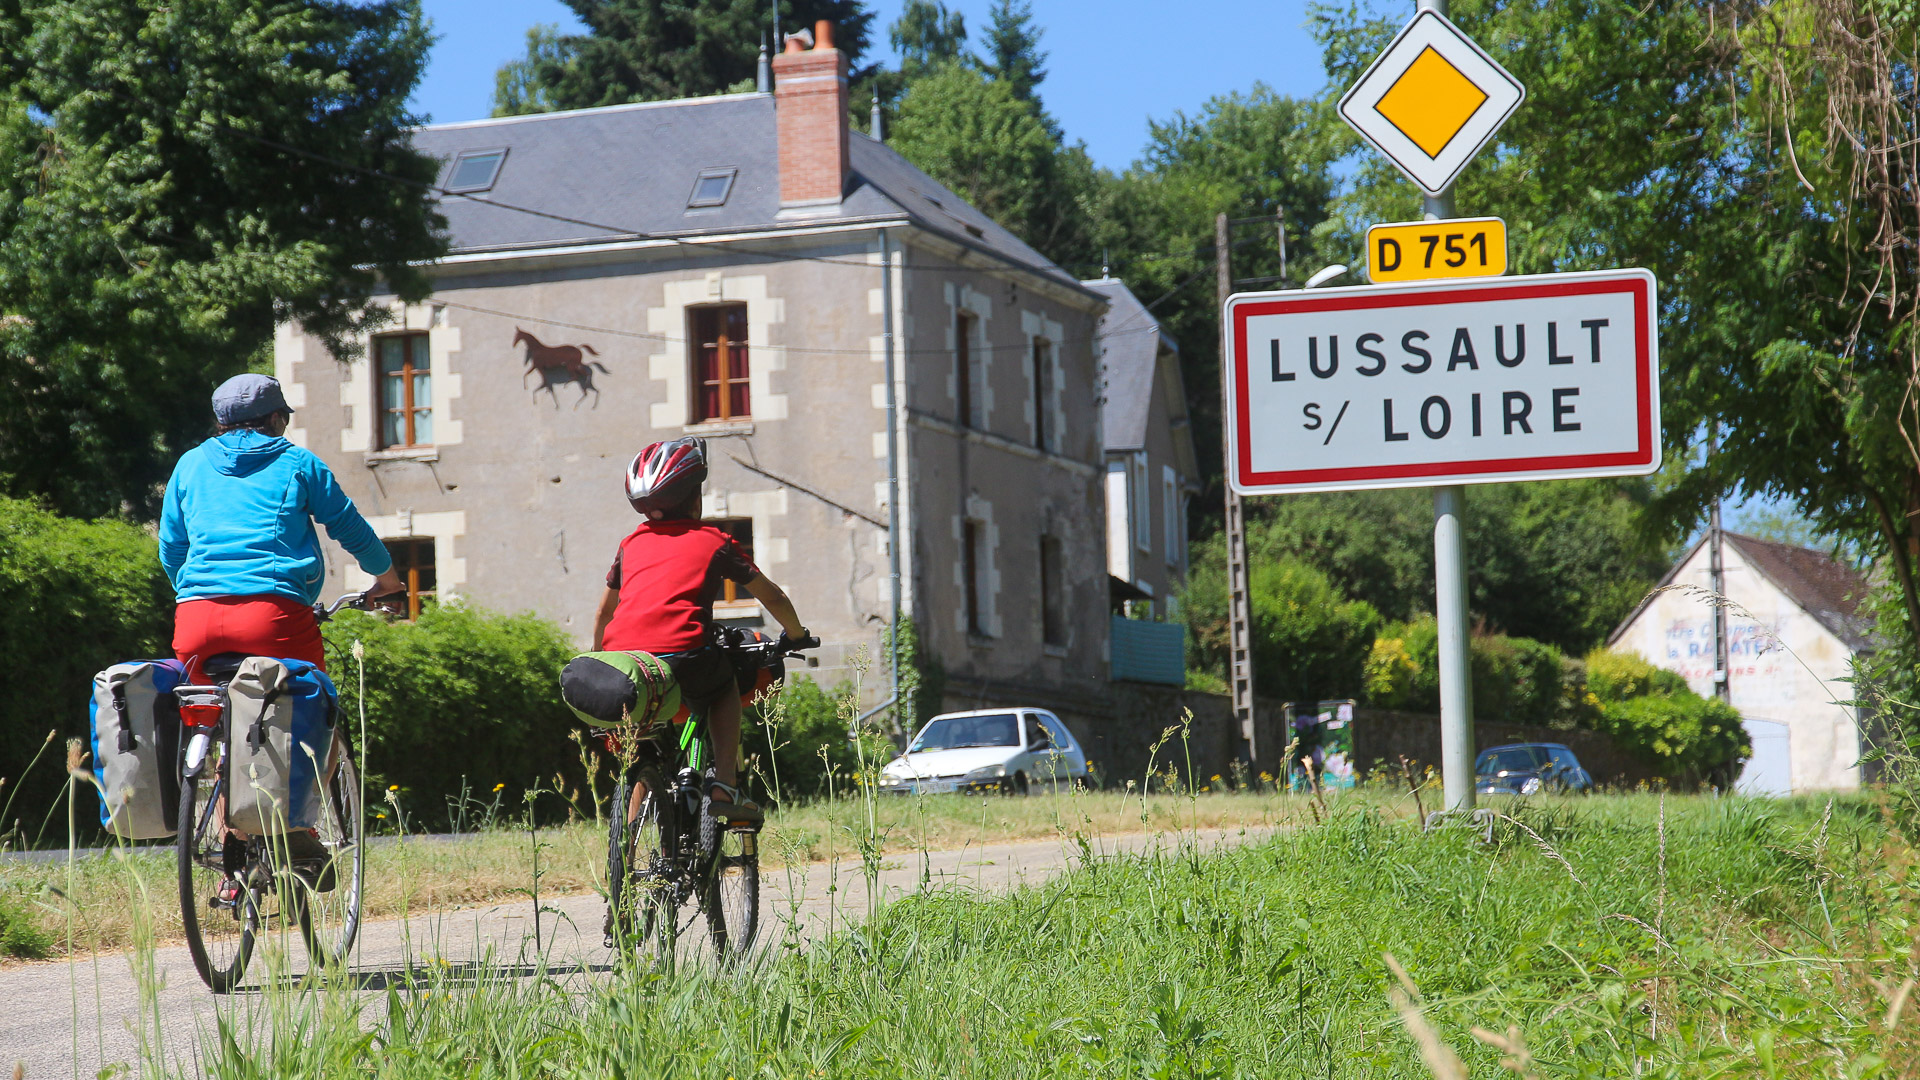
(231, 889)
(670, 849)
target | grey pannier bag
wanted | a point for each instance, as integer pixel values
(136, 747)
(279, 733)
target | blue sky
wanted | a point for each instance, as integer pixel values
(1110, 65)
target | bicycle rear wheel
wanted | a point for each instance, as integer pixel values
(219, 933)
(733, 894)
(329, 891)
(641, 878)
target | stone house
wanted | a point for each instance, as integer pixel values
(1152, 469)
(736, 267)
(1794, 624)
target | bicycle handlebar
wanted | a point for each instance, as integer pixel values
(360, 601)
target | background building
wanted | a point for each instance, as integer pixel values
(1793, 628)
(1151, 472)
(713, 267)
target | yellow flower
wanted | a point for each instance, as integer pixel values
(497, 787)
(395, 787)
(382, 817)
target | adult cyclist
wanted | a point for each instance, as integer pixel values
(237, 538)
(660, 594)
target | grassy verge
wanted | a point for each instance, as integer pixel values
(111, 896)
(1614, 936)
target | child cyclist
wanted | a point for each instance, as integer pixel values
(660, 595)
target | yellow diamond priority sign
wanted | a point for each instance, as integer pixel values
(1431, 101)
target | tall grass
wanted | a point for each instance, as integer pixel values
(1761, 944)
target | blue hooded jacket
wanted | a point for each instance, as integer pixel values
(238, 521)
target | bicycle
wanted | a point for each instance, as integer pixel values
(672, 849)
(230, 888)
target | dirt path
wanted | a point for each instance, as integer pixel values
(74, 1018)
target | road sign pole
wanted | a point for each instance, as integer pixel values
(1450, 591)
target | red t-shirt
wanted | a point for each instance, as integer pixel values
(668, 574)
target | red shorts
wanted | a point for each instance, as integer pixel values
(277, 626)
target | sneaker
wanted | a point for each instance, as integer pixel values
(228, 892)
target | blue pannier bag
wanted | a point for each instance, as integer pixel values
(279, 733)
(136, 747)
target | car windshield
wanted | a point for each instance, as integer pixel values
(954, 732)
(1509, 759)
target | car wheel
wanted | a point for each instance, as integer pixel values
(1020, 785)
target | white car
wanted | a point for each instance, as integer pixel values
(1009, 750)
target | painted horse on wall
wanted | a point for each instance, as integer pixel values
(560, 364)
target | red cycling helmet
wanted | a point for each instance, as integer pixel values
(666, 474)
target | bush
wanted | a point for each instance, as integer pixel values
(1309, 641)
(1515, 680)
(462, 696)
(77, 597)
(785, 740)
(19, 936)
(1650, 712)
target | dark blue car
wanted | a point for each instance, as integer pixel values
(1527, 768)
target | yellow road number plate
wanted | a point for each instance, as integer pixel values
(1426, 250)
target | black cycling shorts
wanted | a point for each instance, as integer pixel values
(703, 674)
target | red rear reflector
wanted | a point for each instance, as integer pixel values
(200, 715)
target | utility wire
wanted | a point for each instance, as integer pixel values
(622, 233)
(669, 339)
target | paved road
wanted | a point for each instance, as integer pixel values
(71, 1019)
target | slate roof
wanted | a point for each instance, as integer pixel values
(633, 168)
(1830, 591)
(1130, 341)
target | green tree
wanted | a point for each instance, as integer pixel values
(517, 89)
(654, 50)
(179, 178)
(1013, 49)
(1561, 562)
(927, 36)
(972, 134)
(1242, 154)
(1760, 157)
(1309, 641)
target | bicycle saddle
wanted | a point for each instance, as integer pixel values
(220, 667)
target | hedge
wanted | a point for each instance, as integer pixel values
(461, 699)
(1515, 680)
(1648, 711)
(77, 596)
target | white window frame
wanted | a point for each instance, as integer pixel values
(1169, 500)
(1142, 508)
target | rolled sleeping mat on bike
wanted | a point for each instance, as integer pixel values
(135, 723)
(279, 733)
(612, 689)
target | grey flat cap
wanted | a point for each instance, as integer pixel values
(247, 397)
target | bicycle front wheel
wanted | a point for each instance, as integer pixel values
(733, 894)
(329, 890)
(220, 931)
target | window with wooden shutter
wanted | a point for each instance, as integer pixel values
(720, 363)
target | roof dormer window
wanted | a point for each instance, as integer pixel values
(475, 170)
(712, 187)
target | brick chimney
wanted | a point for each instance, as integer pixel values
(810, 99)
